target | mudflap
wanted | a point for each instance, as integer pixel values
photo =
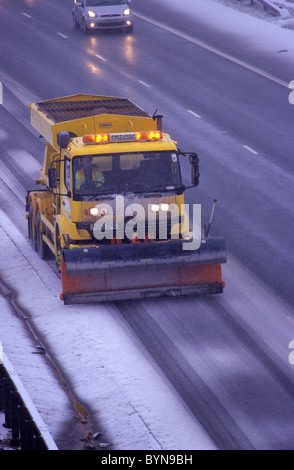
(141, 270)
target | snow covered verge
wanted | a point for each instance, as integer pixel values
(285, 9)
(24, 352)
(284, 18)
(121, 389)
(235, 28)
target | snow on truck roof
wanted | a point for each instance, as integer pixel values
(60, 111)
(88, 114)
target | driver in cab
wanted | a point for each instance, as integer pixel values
(88, 176)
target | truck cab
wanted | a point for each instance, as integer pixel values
(145, 177)
(111, 204)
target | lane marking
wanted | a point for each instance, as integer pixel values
(194, 114)
(144, 84)
(250, 150)
(62, 35)
(10, 180)
(100, 57)
(25, 161)
(3, 134)
(27, 15)
(202, 44)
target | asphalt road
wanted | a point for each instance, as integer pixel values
(228, 356)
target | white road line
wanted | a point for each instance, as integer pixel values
(25, 161)
(100, 57)
(62, 35)
(27, 15)
(12, 182)
(194, 114)
(144, 84)
(213, 50)
(3, 134)
(124, 73)
(21, 93)
(250, 150)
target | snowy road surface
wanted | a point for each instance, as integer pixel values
(202, 373)
(95, 359)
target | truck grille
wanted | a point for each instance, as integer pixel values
(89, 227)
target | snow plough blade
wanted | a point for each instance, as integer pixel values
(141, 270)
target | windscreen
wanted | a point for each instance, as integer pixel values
(96, 3)
(96, 175)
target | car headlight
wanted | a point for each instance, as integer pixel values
(126, 12)
(92, 14)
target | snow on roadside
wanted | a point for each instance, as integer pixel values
(257, 29)
(5, 434)
(256, 9)
(105, 365)
(36, 374)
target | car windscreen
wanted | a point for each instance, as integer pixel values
(97, 3)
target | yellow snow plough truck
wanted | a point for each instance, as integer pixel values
(111, 208)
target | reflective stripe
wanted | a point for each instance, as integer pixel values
(97, 177)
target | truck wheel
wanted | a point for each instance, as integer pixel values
(58, 250)
(41, 247)
(31, 227)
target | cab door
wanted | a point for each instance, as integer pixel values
(66, 190)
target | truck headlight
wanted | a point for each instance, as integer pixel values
(160, 207)
(126, 12)
(98, 211)
(94, 211)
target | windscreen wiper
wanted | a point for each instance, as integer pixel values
(160, 189)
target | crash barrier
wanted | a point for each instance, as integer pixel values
(268, 5)
(28, 431)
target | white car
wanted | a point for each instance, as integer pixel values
(102, 14)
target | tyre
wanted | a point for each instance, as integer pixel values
(32, 227)
(58, 250)
(74, 20)
(41, 247)
(129, 29)
(84, 26)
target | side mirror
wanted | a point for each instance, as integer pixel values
(52, 177)
(63, 139)
(194, 160)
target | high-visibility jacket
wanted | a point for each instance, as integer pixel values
(97, 178)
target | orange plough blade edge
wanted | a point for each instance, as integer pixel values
(85, 281)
